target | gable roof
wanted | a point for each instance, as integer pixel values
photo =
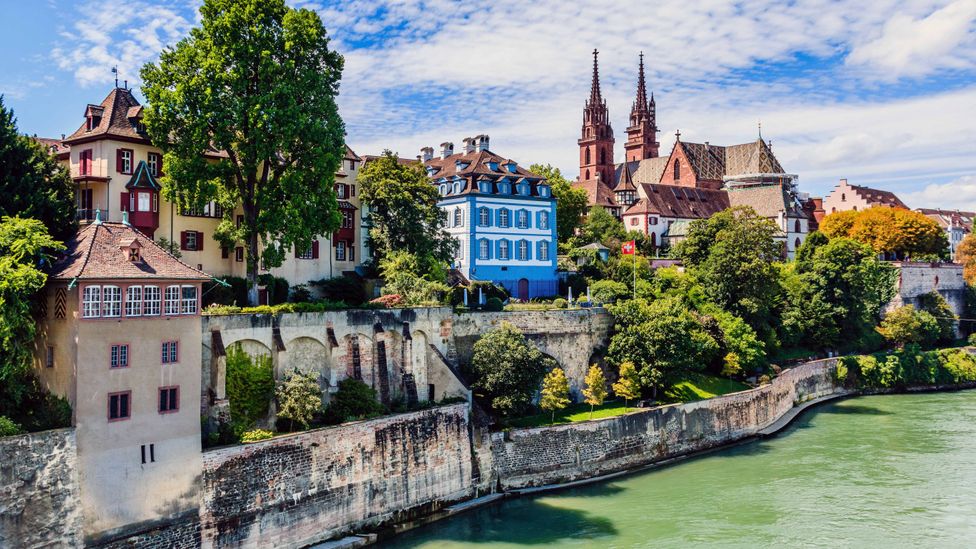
(877, 197)
(56, 146)
(118, 111)
(679, 202)
(766, 200)
(625, 181)
(950, 218)
(142, 179)
(714, 162)
(476, 166)
(96, 252)
(598, 193)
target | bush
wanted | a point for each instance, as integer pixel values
(560, 303)
(342, 288)
(507, 369)
(494, 305)
(250, 387)
(235, 294)
(354, 400)
(8, 427)
(255, 435)
(971, 339)
(314, 307)
(299, 399)
(277, 288)
(609, 291)
(300, 294)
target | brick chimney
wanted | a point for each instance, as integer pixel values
(447, 149)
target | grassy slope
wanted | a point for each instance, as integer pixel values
(702, 386)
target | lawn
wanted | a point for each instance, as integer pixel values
(702, 386)
(575, 412)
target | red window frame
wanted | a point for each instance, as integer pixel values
(120, 365)
(85, 162)
(166, 352)
(128, 406)
(173, 393)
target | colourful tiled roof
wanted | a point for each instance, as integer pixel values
(680, 202)
(56, 146)
(97, 252)
(597, 193)
(714, 162)
(476, 166)
(950, 218)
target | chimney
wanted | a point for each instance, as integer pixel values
(447, 149)
(481, 142)
(426, 154)
(843, 181)
(468, 144)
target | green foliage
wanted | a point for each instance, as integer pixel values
(300, 294)
(354, 400)
(555, 392)
(216, 293)
(841, 372)
(627, 385)
(8, 427)
(277, 288)
(172, 247)
(971, 339)
(313, 307)
(601, 226)
(560, 303)
(403, 214)
(609, 291)
(909, 367)
(936, 305)
(299, 399)
(342, 288)
(907, 325)
(494, 305)
(255, 435)
(33, 183)
(507, 369)
(250, 386)
(742, 350)
(572, 201)
(265, 74)
(416, 281)
(732, 255)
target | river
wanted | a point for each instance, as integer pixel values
(879, 471)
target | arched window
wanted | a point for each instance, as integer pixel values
(833, 210)
(797, 226)
(843, 197)
(587, 156)
(587, 175)
(855, 208)
(603, 156)
(653, 239)
(459, 217)
(796, 245)
(677, 170)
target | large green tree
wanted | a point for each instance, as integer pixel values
(571, 202)
(244, 109)
(33, 183)
(733, 255)
(403, 213)
(507, 369)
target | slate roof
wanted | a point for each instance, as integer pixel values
(96, 252)
(714, 162)
(877, 197)
(625, 180)
(118, 115)
(477, 166)
(767, 200)
(680, 202)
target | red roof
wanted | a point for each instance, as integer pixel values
(119, 113)
(100, 251)
(680, 202)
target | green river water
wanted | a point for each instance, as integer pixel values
(880, 471)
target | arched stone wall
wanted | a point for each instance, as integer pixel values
(308, 356)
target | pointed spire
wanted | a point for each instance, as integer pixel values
(760, 130)
(595, 96)
(641, 85)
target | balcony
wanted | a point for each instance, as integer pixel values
(88, 215)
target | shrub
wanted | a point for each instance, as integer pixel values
(609, 291)
(840, 372)
(342, 288)
(277, 288)
(8, 427)
(255, 435)
(507, 369)
(389, 300)
(494, 305)
(354, 400)
(560, 303)
(300, 294)
(971, 339)
(250, 387)
(299, 398)
(313, 307)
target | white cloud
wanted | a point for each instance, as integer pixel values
(908, 46)
(959, 194)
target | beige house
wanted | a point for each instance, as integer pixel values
(117, 169)
(855, 197)
(119, 337)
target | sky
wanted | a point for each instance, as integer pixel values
(882, 92)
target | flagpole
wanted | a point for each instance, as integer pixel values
(635, 269)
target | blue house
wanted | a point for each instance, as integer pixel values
(503, 216)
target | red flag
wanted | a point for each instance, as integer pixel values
(627, 248)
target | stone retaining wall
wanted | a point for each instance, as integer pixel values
(549, 455)
(39, 500)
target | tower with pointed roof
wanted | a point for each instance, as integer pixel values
(642, 132)
(596, 139)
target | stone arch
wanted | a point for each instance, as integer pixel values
(308, 356)
(252, 347)
(354, 358)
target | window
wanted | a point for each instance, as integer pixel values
(523, 219)
(133, 301)
(483, 217)
(503, 217)
(603, 156)
(341, 250)
(91, 302)
(843, 197)
(111, 301)
(543, 251)
(677, 169)
(352, 164)
(123, 161)
(544, 220)
(458, 217)
(503, 249)
(49, 357)
(587, 158)
(340, 190)
(347, 219)
(210, 209)
(155, 162)
(152, 453)
(797, 226)
(144, 202)
(85, 162)
(169, 400)
(189, 300)
(172, 300)
(652, 221)
(118, 405)
(523, 250)
(191, 240)
(482, 249)
(239, 254)
(170, 352)
(151, 300)
(119, 356)
(634, 221)
(304, 254)
(587, 175)
(796, 245)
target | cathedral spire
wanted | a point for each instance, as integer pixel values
(641, 101)
(642, 132)
(595, 96)
(596, 138)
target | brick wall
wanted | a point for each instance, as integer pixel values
(39, 500)
(534, 457)
(305, 488)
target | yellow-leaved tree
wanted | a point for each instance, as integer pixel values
(596, 387)
(896, 231)
(966, 255)
(628, 384)
(555, 392)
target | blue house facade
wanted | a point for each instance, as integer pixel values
(503, 216)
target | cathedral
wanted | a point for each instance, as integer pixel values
(659, 195)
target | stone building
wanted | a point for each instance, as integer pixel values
(956, 224)
(117, 169)
(502, 215)
(119, 338)
(845, 197)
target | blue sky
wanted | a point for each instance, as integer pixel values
(885, 95)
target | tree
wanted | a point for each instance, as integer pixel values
(33, 183)
(601, 226)
(732, 255)
(353, 400)
(627, 385)
(25, 245)
(609, 291)
(936, 305)
(899, 232)
(571, 202)
(907, 325)
(250, 387)
(403, 214)
(400, 271)
(596, 388)
(507, 369)
(244, 109)
(555, 392)
(299, 398)
(966, 255)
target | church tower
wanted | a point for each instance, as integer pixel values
(596, 140)
(642, 132)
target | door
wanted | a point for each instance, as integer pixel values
(523, 289)
(85, 204)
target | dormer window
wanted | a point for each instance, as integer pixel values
(133, 254)
(132, 248)
(543, 191)
(510, 166)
